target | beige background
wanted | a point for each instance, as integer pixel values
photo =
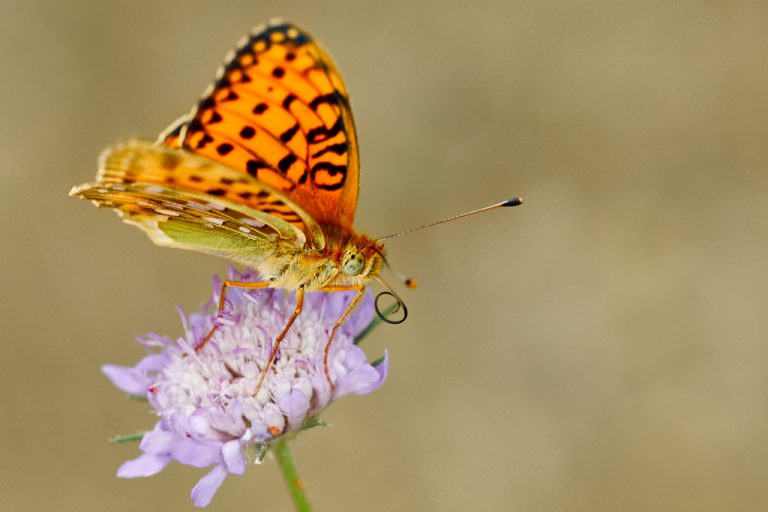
(602, 347)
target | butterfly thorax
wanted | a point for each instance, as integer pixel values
(348, 259)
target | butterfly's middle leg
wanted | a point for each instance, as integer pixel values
(360, 292)
(280, 337)
(222, 300)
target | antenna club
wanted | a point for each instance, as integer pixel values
(516, 201)
(411, 283)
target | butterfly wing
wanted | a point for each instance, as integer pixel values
(204, 212)
(141, 161)
(279, 112)
(187, 220)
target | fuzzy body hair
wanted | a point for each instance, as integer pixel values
(291, 267)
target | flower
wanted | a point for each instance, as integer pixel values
(208, 413)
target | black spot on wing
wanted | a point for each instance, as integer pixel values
(223, 82)
(204, 141)
(286, 163)
(322, 133)
(252, 167)
(224, 148)
(338, 149)
(333, 98)
(330, 170)
(288, 134)
(194, 126)
(288, 100)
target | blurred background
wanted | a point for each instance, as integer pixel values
(602, 347)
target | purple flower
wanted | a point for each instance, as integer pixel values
(208, 413)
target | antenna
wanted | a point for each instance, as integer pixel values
(509, 202)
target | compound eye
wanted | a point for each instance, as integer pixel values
(353, 264)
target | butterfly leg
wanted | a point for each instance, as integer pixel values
(342, 318)
(222, 299)
(280, 337)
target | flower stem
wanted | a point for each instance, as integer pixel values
(127, 438)
(291, 477)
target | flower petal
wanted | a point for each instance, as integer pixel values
(295, 406)
(229, 421)
(197, 453)
(144, 465)
(153, 362)
(126, 379)
(273, 416)
(158, 442)
(383, 368)
(354, 357)
(363, 380)
(233, 457)
(206, 487)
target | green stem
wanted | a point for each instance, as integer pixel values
(127, 438)
(291, 477)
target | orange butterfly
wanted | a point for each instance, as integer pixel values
(263, 171)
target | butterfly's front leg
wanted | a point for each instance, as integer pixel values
(222, 300)
(360, 292)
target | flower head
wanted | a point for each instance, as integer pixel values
(208, 412)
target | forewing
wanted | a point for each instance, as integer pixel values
(279, 112)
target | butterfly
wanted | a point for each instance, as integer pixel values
(263, 171)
